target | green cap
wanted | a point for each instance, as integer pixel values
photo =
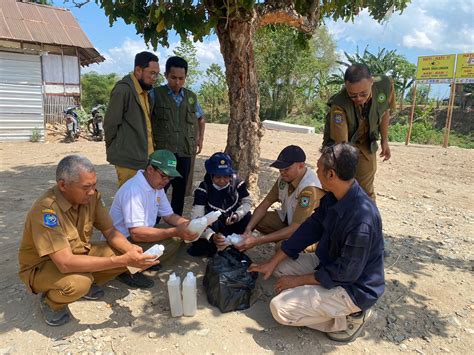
(165, 161)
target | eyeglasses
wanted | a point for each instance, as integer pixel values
(162, 175)
(362, 94)
(333, 157)
(153, 74)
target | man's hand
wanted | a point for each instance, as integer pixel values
(248, 242)
(219, 241)
(289, 281)
(385, 153)
(137, 259)
(232, 219)
(199, 145)
(184, 233)
(266, 269)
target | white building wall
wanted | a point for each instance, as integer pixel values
(21, 99)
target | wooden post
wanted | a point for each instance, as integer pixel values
(449, 114)
(413, 105)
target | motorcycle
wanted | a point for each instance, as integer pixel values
(72, 123)
(95, 125)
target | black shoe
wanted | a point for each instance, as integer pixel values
(137, 280)
(95, 293)
(202, 248)
(54, 318)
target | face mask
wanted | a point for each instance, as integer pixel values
(218, 188)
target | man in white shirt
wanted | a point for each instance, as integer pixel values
(142, 198)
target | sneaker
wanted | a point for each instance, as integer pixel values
(355, 325)
(95, 293)
(54, 318)
(137, 280)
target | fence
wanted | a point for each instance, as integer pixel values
(54, 107)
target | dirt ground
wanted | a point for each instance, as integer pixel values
(425, 195)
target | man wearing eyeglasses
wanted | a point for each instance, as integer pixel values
(334, 289)
(140, 200)
(360, 114)
(127, 125)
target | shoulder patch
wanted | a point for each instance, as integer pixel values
(304, 201)
(48, 210)
(381, 98)
(50, 220)
(338, 117)
(282, 185)
(191, 100)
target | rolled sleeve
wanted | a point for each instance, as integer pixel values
(199, 111)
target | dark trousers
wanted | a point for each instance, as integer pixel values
(183, 165)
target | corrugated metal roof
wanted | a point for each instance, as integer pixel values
(28, 22)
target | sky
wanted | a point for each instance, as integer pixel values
(426, 27)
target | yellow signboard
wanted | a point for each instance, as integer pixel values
(435, 69)
(465, 68)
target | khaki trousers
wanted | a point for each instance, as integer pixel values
(311, 306)
(62, 289)
(171, 245)
(270, 223)
(365, 173)
(124, 174)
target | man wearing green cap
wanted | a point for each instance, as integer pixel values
(141, 199)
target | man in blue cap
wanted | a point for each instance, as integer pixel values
(221, 190)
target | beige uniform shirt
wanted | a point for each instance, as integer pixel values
(308, 199)
(52, 224)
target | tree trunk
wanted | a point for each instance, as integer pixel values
(245, 129)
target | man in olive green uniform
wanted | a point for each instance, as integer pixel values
(299, 191)
(178, 125)
(360, 114)
(56, 256)
(127, 123)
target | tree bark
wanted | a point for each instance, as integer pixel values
(245, 129)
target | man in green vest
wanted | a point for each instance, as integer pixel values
(178, 125)
(360, 114)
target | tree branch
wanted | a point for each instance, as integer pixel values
(283, 12)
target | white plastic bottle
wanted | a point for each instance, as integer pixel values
(174, 295)
(156, 250)
(198, 225)
(189, 295)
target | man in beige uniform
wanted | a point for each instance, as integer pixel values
(359, 114)
(299, 191)
(56, 256)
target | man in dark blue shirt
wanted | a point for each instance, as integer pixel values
(333, 289)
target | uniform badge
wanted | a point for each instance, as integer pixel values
(338, 118)
(282, 184)
(304, 201)
(191, 100)
(102, 202)
(48, 210)
(158, 200)
(381, 98)
(50, 220)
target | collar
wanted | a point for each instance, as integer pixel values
(171, 92)
(138, 88)
(347, 201)
(63, 204)
(142, 181)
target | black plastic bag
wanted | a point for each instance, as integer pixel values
(227, 282)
